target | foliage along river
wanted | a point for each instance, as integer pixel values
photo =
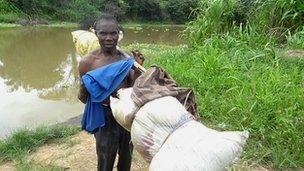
(38, 72)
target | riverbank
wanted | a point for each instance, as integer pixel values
(75, 25)
(55, 24)
(77, 152)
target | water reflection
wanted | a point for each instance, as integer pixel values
(31, 59)
(38, 77)
(24, 108)
(67, 86)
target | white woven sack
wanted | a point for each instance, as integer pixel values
(123, 108)
(194, 147)
(154, 122)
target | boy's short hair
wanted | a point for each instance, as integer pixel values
(106, 17)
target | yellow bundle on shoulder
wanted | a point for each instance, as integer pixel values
(85, 41)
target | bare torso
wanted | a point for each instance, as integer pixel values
(96, 59)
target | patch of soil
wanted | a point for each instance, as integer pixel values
(76, 153)
(80, 156)
(8, 167)
(294, 53)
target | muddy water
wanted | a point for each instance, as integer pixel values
(38, 73)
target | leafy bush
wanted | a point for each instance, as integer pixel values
(149, 10)
(180, 10)
(8, 12)
(76, 10)
(56, 10)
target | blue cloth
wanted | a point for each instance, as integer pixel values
(100, 83)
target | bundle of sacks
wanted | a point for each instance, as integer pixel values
(167, 136)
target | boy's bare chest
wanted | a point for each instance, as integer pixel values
(96, 63)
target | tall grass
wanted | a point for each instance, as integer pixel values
(296, 40)
(279, 15)
(242, 82)
(241, 85)
(24, 141)
(267, 17)
(240, 79)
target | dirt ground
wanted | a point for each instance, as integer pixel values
(77, 153)
(294, 53)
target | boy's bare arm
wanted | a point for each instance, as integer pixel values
(83, 69)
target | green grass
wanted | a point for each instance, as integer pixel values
(242, 78)
(296, 40)
(52, 24)
(24, 141)
(59, 24)
(153, 23)
(30, 166)
(266, 17)
(8, 25)
(9, 18)
(242, 82)
(152, 50)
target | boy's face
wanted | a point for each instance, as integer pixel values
(107, 34)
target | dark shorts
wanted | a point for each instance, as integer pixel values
(110, 140)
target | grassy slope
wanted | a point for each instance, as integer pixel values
(24, 141)
(242, 82)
